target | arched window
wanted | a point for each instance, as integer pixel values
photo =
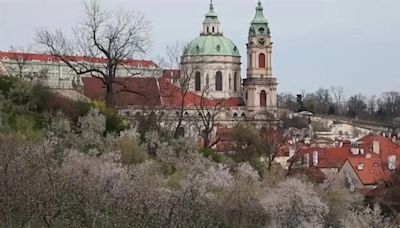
(230, 82)
(261, 60)
(197, 81)
(218, 81)
(208, 29)
(213, 29)
(235, 82)
(251, 60)
(263, 99)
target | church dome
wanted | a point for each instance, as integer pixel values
(211, 42)
(212, 45)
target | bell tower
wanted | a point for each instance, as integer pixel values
(260, 86)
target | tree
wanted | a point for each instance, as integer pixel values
(356, 105)
(338, 97)
(208, 111)
(187, 73)
(251, 146)
(294, 203)
(115, 36)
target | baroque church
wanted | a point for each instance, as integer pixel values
(211, 62)
(216, 63)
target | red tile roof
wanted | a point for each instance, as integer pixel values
(171, 73)
(313, 174)
(386, 145)
(94, 89)
(371, 172)
(327, 157)
(158, 92)
(172, 98)
(47, 58)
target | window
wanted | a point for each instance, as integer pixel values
(230, 82)
(208, 29)
(235, 82)
(263, 99)
(197, 81)
(261, 60)
(218, 81)
(213, 29)
(251, 60)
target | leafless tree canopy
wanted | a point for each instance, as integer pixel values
(114, 36)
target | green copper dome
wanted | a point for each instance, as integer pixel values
(211, 42)
(212, 46)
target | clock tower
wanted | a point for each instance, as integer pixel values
(260, 86)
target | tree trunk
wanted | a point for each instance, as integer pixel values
(109, 95)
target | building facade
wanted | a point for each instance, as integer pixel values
(55, 74)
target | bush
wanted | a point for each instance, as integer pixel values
(131, 151)
(114, 122)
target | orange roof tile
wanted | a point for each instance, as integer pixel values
(371, 172)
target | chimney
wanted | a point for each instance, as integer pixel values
(375, 147)
(360, 166)
(355, 151)
(315, 158)
(392, 162)
(307, 160)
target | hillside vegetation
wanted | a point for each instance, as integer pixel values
(76, 164)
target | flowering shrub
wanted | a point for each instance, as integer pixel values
(294, 203)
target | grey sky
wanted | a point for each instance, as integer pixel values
(317, 43)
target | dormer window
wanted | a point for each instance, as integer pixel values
(218, 48)
(261, 30)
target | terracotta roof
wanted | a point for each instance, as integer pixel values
(313, 174)
(157, 92)
(171, 73)
(386, 145)
(370, 171)
(172, 98)
(327, 157)
(94, 89)
(47, 58)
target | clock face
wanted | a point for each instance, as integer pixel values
(261, 40)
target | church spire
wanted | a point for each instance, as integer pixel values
(259, 25)
(259, 17)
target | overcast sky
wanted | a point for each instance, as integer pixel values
(317, 43)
